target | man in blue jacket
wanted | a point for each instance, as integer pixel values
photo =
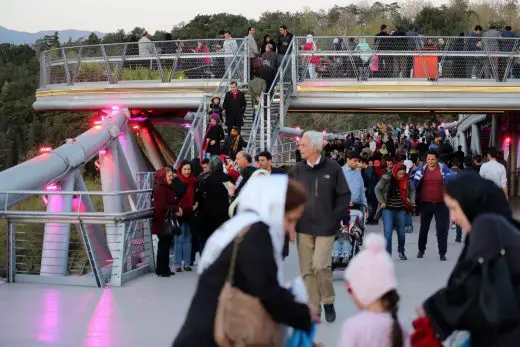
(429, 180)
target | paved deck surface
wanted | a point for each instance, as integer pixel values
(149, 311)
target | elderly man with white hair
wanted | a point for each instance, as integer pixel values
(329, 197)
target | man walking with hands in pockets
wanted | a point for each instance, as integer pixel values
(329, 197)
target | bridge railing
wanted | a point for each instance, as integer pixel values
(80, 247)
(430, 58)
(162, 61)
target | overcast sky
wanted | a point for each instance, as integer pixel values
(109, 15)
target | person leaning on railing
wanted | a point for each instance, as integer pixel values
(164, 199)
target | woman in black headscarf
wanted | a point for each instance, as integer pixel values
(491, 315)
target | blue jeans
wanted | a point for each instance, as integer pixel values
(458, 231)
(409, 223)
(397, 219)
(341, 247)
(182, 247)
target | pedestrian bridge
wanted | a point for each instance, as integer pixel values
(67, 234)
(348, 74)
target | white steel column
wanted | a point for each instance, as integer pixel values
(151, 149)
(55, 251)
(133, 155)
(111, 183)
(475, 139)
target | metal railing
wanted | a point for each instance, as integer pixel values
(274, 104)
(98, 247)
(408, 58)
(163, 61)
(236, 71)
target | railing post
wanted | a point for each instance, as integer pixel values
(262, 126)
(11, 252)
(159, 66)
(513, 153)
(294, 74)
(246, 60)
(107, 65)
(268, 122)
(204, 121)
(66, 66)
(122, 64)
(43, 71)
(282, 101)
(192, 149)
(76, 68)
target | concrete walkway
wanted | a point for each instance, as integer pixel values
(149, 311)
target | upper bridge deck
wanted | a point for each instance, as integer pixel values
(340, 74)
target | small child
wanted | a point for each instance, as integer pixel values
(370, 279)
(342, 246)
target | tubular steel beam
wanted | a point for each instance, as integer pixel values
(58, 163)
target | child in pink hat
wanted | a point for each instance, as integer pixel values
(370, 279)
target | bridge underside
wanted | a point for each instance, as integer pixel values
(331, 96)
(340, 96)
(185, 95)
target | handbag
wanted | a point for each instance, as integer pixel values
(241, 319)
(171, 224)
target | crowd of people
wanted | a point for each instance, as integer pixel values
(394, 172)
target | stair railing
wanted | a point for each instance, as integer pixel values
(274, 104)
(236, 71)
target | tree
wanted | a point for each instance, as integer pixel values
(138, 32)
(93, 39)
(116, 37)
(47, 42)
(430, 20)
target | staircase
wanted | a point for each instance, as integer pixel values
(236, 71)
(273, 106)
(259, 133)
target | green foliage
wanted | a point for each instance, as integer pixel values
(432, 21)
(93, 39)
(208, 26)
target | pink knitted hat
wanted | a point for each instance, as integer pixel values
(371, 272)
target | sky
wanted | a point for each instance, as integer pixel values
(110, 15)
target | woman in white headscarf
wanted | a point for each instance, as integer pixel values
(269, 207)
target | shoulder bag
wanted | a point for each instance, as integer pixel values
(241, 319)
(171, 224)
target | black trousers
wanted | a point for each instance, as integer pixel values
(163, 254)
(442, 224)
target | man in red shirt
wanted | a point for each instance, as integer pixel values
(429, 182)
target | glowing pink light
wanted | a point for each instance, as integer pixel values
(298, 139)
(137, 119)
(507, 140)
(49, 317)
(101, 152)
(52, 187)
(100, 328)
(115, 108)
(42, 150)
(186, 125)
(136, 127)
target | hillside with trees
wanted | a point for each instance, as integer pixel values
(22, 130)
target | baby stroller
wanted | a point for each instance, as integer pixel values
(349, 238)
